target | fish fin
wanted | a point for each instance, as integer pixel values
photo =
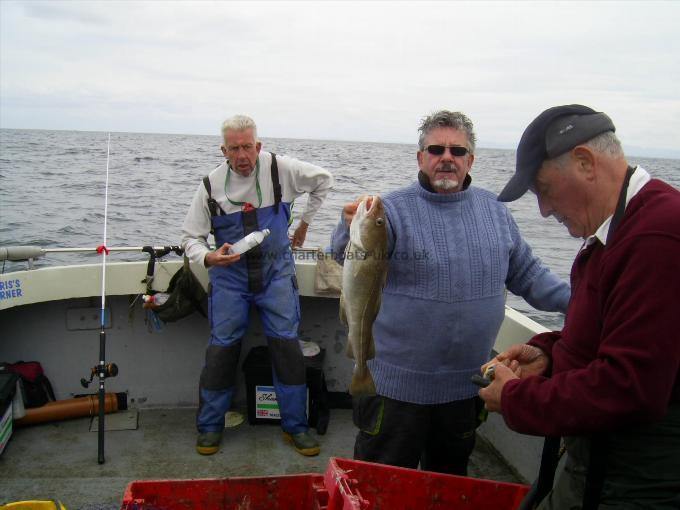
(343, 312)
(362, 384)
(349, 351)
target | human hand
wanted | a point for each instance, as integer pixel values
(523, 359)
(349, 210)
(219, 257)
(299, 235)
(493, 392)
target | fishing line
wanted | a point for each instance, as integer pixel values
(103, 249)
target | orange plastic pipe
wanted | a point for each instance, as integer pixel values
(70, 408)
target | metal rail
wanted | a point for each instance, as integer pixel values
(30, 253)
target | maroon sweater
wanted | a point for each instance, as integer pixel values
(616, 362)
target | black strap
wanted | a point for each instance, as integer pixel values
(275, 183)
(596, 471)
(213, 206)
(546, 474)
(254, 255)
(620, 205)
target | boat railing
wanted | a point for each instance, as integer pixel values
(31, 253)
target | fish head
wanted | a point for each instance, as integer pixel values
(368, 230)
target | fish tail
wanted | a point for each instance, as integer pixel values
(362, 384)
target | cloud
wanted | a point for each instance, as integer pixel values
(338, 70)
(60, 12)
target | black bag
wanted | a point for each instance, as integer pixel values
(186, 296)
(37, 389)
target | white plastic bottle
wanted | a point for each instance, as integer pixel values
(156, 299)
(18, 410)
(250, 241)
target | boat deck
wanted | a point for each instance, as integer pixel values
(58, 324)
(59, 460)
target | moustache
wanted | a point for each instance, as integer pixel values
(447, 167)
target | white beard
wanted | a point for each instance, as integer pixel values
(445, 184)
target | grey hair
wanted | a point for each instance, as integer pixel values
(447, 119)
(606, 143)
(239, 123)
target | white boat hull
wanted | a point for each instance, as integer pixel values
(55, 319)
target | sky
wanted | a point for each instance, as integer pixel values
(359, 71)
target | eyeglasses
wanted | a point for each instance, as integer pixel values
(438, 150)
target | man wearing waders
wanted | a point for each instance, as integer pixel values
(251, 191)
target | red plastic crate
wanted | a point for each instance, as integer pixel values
(357, 485)
(346, 485)
(288, 492)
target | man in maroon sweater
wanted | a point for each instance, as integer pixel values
(609, 382)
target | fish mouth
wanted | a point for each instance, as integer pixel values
(376, 204)
(364, 218)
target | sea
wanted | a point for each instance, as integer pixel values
(52, 191)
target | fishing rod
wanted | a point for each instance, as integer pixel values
(102, 369)
(102, 333)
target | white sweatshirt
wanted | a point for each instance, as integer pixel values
(296, 177)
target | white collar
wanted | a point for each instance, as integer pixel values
(639, 178)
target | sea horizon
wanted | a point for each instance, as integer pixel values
(630, 151)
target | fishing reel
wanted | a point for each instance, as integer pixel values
(110, 370)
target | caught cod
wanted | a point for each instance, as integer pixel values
(363, 278)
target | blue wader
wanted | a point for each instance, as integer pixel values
(265, 277)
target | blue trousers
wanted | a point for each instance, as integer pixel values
(279, 308)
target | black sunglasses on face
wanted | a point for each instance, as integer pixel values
(438, 150)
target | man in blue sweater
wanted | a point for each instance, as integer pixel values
(453, 250)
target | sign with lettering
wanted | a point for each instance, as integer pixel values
(266, 405)
(10, 288)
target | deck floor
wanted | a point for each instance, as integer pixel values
(59, 460)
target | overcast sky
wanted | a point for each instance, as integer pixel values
(365, 71)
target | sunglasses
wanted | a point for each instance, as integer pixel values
(438, 150)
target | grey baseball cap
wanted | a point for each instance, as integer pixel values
(555, 131)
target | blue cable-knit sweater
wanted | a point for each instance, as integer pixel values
(451, 256)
